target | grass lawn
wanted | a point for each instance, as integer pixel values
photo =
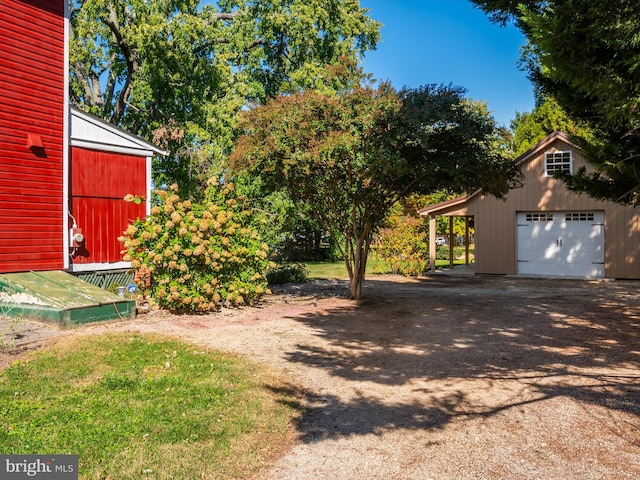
(329, 270)
(134, 406)
(324, 270)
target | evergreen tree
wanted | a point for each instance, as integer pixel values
(586, 55)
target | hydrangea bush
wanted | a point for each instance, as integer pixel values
(199, 256)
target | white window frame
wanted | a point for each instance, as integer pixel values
(559, 160)
(579, 217)
(539, 217)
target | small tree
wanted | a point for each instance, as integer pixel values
(353, 155)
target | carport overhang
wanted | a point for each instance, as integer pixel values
(456, 207)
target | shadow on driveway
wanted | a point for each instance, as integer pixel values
(418, 354)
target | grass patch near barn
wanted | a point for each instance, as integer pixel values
(140, 406)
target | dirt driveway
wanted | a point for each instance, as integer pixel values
(446, 377)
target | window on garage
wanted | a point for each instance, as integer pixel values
(579, 217)
(539, 217)
(557, 162)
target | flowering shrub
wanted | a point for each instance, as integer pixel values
(403, 248)
(199, 256)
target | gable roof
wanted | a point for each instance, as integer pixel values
(543, 145)
(449, 206)
(91, 132)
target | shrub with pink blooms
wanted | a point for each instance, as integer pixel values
(199, 256)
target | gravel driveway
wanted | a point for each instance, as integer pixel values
(446, 377)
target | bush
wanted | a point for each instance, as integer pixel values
(199, 256)
(403, 247)
(289, 273)
(442, 253)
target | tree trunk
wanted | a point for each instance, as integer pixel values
(357, 284)
(356, 262)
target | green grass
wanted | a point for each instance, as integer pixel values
(133, 406)
(331, 270)
(325, 270)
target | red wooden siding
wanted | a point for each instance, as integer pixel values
(99, 182)
(32, 74)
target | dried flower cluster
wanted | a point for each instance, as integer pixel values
(200, 256)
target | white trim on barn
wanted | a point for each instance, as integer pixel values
(66, 156)
(95, 267)
(561, 243)
(88, 131)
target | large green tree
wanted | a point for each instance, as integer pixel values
(586, 55)
(353, 155)
(531, 127)
(178, 72)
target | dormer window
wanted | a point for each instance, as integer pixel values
(557, 162)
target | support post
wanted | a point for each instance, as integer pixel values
(451, 242)
(432, 243)
(466, 240)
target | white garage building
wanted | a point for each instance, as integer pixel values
(542, 228)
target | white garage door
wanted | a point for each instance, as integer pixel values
(561, 243)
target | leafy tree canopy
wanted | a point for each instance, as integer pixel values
(547, 117)
(178, 72)
(586, 55)
(353, 155)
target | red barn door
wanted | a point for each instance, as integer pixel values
(99, 182)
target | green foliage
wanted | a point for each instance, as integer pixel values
(529, 128)
(273, 214)
(414, 203)
(442, 253)
(179, 72)
(288, 273)
(288, 228)
(200, 256)
(586, 55)
(128, 403)
(403, 247)
(350, 157)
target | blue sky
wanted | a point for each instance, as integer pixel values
(450, 42)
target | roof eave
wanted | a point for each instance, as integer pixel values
(98, 122)
(448, 204)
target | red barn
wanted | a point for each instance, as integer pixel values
(58, 164)
(33, 135)
(53, 179)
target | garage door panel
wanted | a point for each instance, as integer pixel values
(582, 231)
(584, 270)
(561, 244)
(541, 256)
(585, 245)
